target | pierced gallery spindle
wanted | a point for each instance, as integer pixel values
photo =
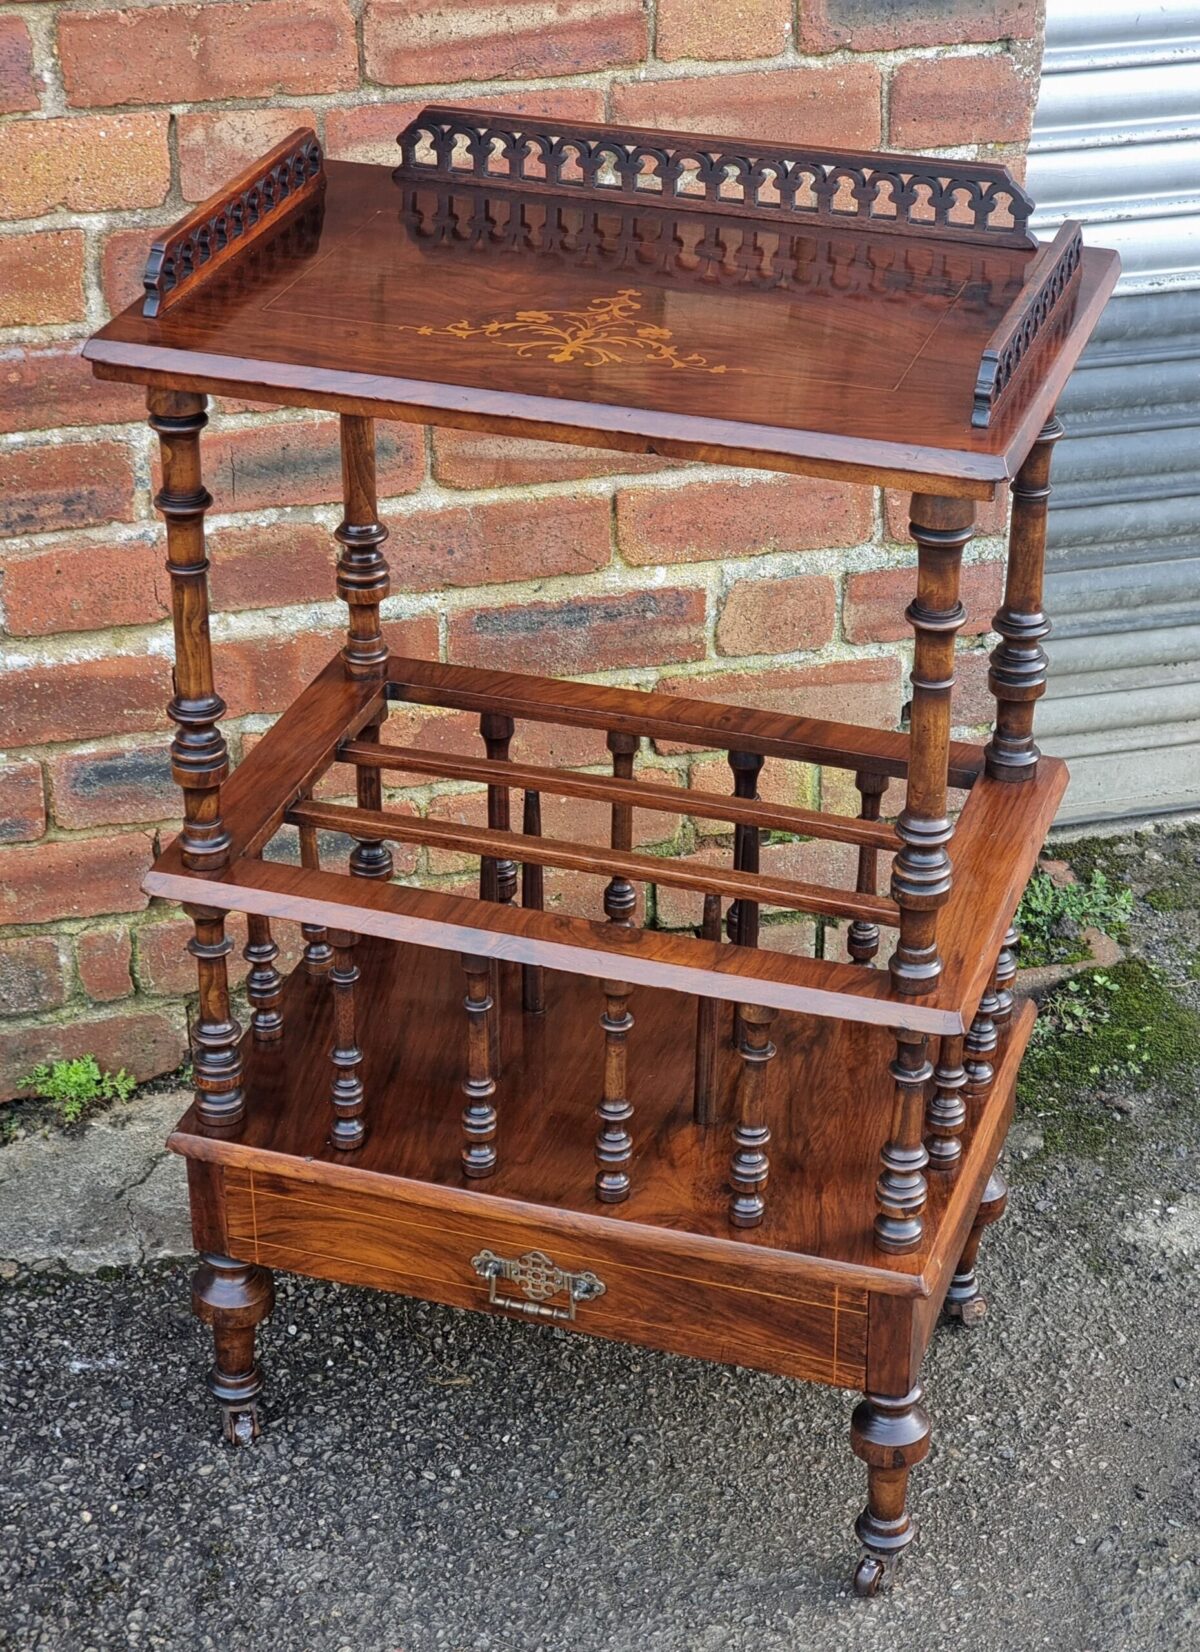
(264, 984)
(750, 1167)
(1017, 677)
(708, 1028)
(479, 1086)
(946, 1113)
(346, 1096)
(533, 899)
(862, 938)
(614, 1142)
(620, 897)
(216, 1055)
(921, 872)
(199, 756)
(318, 954)
(901, 1190)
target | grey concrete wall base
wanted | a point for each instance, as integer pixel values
(107, 1196)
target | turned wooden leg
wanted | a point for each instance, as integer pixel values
(964, 1300)
(921, 871)
(216, 1048)
(891, 1435)
(234, 1297)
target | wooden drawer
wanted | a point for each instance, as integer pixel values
(396, 1242)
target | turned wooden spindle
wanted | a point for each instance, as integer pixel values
(347, 1099)
(479, 1086)
(708, 1029)
(979, 1048)
(862, 938)
(964, 1300)
(1006, 974)
(901, 1190)
(614, 1142)
(264, 984)
(890, 1433)
(1017, 677)
(233, 1298)
(199, 756)
(216, 1054)
(946, 1112)
(750, 1167)
(363, 583)
(620, 896)
(497, 878)
(741, 921)
(921, 873)
(362, 570)
(318, 954)
(533, 899)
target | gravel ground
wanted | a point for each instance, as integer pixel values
(431, 1479)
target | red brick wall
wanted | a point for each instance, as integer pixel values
(112, 119)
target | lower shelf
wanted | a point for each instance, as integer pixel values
(791, 1295)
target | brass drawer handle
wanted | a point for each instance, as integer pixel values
(539, 1279)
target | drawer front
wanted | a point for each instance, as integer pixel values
(490, 1259)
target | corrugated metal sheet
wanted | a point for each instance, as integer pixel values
(1117, 143)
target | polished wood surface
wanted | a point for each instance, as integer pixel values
(816, 1222)
(367, 301)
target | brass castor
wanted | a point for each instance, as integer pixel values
(971, 1312)
(240, 1426)
(872, 1576)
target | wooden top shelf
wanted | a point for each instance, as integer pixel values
(814, 312)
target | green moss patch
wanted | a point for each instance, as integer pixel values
(1051, 918)
(1102, 1037)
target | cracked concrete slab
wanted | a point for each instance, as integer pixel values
(106, 1196)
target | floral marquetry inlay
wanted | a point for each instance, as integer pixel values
(605, 333)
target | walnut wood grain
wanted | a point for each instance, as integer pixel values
(254, 204)
(817, 1223)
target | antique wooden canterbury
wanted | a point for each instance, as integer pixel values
(873, 318)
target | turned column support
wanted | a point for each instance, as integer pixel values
(921, 869)
(362, 584)
(234, 1298)
(1017, 677)
(216, 1051)
(199, 756)
(901, 1190)
(620, 897)
(964, 1300)
(890, 1433)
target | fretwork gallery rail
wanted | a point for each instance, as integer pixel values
(473, 1095)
